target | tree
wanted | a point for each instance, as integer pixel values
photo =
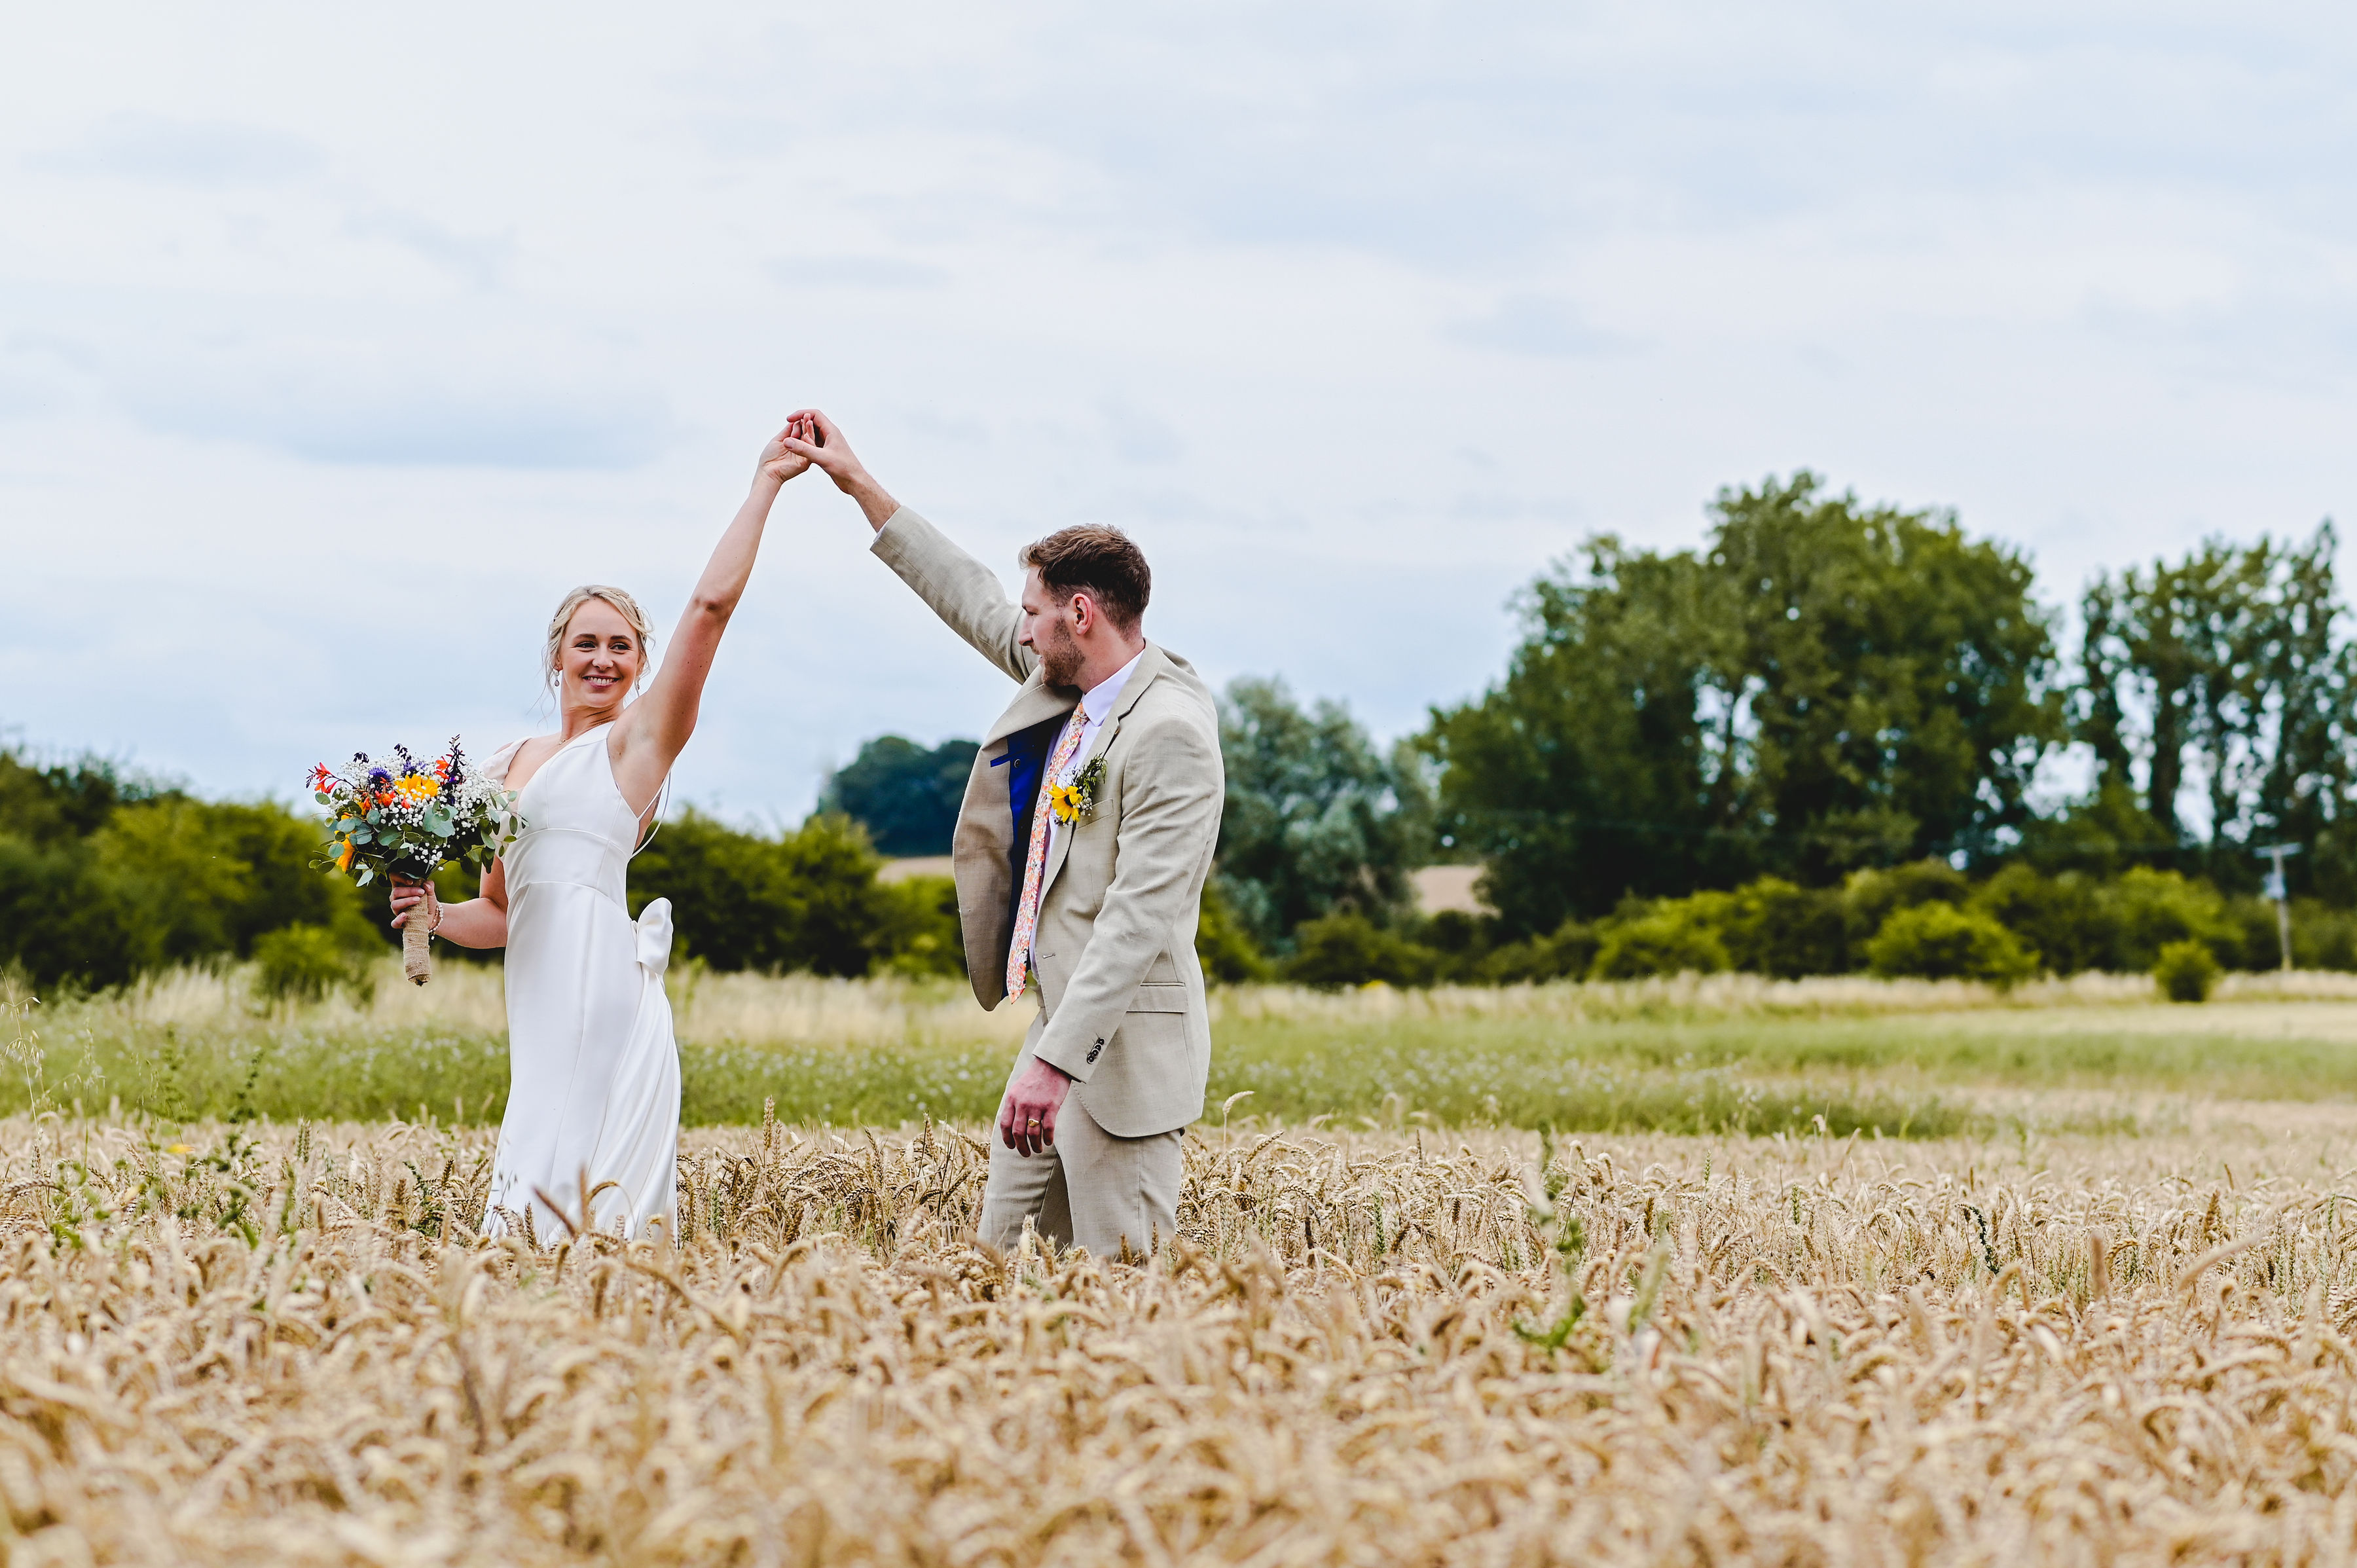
(46, 805)
(1900, 675)
(2224, 674)
(1316, 820)
(1824, 686)
(906, 796)
(1598, 767)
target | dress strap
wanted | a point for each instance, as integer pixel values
(501, 760)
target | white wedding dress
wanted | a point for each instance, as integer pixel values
(593, 1070)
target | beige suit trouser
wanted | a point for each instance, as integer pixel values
(1090, 1188)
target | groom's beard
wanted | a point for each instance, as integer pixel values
(1059, 656)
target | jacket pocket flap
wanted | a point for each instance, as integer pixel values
(1154, 996)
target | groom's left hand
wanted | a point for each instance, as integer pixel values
(780, 462)
(1027, 1118)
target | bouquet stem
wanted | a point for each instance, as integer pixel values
(415, 928)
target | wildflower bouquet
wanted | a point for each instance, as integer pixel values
(402, 821)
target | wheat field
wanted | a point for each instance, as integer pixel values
(253, 1343)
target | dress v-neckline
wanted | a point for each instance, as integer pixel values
(562, 748)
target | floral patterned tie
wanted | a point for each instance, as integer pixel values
(1035, 864)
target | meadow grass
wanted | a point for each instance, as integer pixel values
(1692, 1055)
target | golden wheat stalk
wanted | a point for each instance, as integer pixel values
(289, 1346)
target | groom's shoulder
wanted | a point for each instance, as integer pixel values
(1179, 695)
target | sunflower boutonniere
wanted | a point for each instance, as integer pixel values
(1076, 801)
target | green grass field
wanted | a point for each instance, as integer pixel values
(1729, 1054)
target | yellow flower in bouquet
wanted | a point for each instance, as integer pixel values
(1076, 798)
(401, 820)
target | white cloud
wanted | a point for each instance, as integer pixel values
(332, 409)
(1355, 315)
(1533, 324)
(148, 147)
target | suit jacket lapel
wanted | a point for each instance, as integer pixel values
(1148, 667)
(1035, 704)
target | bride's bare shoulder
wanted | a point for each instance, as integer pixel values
(514, 764)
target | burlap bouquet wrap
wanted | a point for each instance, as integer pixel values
(417, 930)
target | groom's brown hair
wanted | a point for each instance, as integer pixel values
(1100, 562)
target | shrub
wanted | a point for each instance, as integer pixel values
(2150, 909)
(2322, 937)
(307, 962)
(1228, 953)
(1348, 948)
(1772, 927)
(63, 920)
(1671, 938)
(2064, 919)
(2186, 971)
(1941, 941)
(807, 898)
(1461, 941)
(917, 932)
(1870, 897)
(1565, 955)
(2257, 944)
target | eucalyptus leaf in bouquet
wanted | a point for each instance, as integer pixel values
(402, 821)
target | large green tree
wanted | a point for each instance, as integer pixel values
(1823, 685)
(2223, 679)
(1316, 818)
(906, 796)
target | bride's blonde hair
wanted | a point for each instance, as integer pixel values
(627, 607)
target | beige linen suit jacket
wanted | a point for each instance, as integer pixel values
(1123, 1010)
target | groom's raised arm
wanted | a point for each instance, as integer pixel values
(963, 592)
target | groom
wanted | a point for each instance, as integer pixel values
(1081, 848)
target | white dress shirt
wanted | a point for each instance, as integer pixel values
(1097, 702)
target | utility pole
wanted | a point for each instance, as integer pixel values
(2275, 889)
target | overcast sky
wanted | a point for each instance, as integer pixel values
(336, 344)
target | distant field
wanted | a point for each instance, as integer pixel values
(1728, 1053)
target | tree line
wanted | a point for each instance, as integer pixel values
(1822, 702)
(1836, 713)
(105, 876)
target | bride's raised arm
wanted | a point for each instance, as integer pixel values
(652, 731)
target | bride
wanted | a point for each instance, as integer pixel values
(593, 1091)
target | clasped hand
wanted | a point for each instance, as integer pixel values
(780, 461)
